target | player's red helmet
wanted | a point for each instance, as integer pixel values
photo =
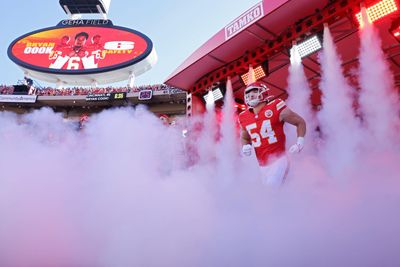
(262, 94)
(65, 39)
(96, 37)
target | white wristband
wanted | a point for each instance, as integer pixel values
(300, 141)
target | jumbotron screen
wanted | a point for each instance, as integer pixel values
(80, 49)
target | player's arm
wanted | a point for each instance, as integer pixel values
(244, 137)
(246, 142)
(295, 119)
(291, 117)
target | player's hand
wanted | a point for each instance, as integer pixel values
(296, 148)
(184, 133)
(246, 150)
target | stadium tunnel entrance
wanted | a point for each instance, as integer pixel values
(264, 34)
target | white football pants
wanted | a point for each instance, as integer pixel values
(274, 174)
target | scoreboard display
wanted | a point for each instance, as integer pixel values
(105, 97)
(80, 49)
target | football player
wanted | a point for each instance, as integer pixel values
(262, 129)
(79, 47)
(83, 119)
(164, 119)
(60, 48)
(95, 51)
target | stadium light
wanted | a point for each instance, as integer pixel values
(395, 29)
(240, 106)
(309, 46)
(217, 94)
(379, 10)
(260, 72)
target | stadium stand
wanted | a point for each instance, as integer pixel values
(74, 101)
(73, 91)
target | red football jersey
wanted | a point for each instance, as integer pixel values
(265, 130)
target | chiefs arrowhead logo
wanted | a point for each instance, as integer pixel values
(268, 113)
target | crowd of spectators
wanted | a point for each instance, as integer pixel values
(49, 91)
(6, 90)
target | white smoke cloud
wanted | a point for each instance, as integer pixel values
(341, 132)
(119, 193)
(228, 149)
(129, 191)
(299, 101)
(379, 103)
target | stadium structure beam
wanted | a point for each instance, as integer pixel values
(299, 31)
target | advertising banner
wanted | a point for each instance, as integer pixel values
(18, 98)
(246, 19)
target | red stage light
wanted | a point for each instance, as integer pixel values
(395, 29)
(396, 32)
(379, 10)
(259, 73)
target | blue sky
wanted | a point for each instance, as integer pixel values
(176, 27)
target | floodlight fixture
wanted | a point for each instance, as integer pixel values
(309, 46)
(379, 10)
(217, 94)
(260, 72)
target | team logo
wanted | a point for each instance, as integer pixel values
(268, 113)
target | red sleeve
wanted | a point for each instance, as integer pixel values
(240, 118)
(280, 105)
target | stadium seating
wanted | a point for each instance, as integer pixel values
(49, 91)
